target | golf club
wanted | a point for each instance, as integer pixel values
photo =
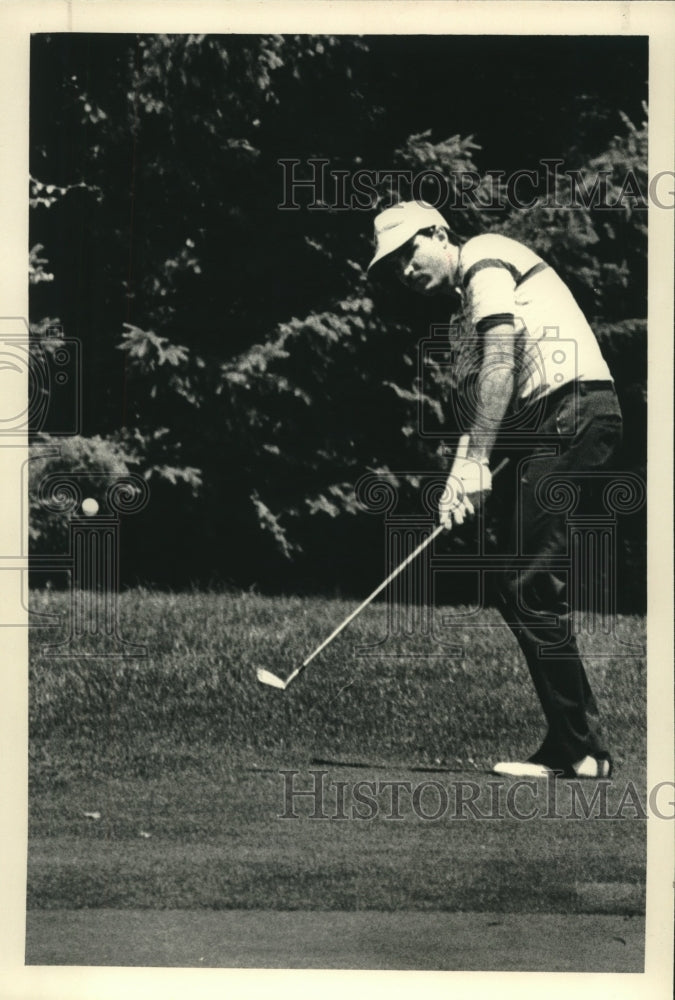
(267, 677)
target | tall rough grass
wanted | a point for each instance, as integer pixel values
(411, 698)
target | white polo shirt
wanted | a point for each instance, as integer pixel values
(502, 281)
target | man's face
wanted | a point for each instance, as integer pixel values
(425, 263)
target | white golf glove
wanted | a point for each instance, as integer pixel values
(468, 483)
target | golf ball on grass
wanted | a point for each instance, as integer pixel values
(89, 507)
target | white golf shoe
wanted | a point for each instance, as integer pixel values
(522, 769)
(587, 767)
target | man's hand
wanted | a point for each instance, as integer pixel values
(468, 485)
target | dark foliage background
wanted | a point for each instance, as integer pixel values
(234, 354)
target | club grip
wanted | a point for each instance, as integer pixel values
(463, 446)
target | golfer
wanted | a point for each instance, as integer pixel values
(511, 367)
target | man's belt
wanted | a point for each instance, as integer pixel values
(548, 401)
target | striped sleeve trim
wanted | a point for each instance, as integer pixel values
(517, 276)
(495, 320)
(541, 266)
(480, 265)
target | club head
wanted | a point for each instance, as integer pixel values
(266, 677)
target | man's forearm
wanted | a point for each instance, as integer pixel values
(494, 391)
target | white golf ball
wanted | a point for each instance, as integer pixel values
(89, 507)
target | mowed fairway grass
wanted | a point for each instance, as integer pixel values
(178, 758)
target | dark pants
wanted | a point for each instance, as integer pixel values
(583, 427)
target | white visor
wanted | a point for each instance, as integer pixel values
(396, 225)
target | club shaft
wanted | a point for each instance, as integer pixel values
(462, 449)
(378, 590)
(461, 453)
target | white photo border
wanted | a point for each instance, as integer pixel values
(20, 18)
